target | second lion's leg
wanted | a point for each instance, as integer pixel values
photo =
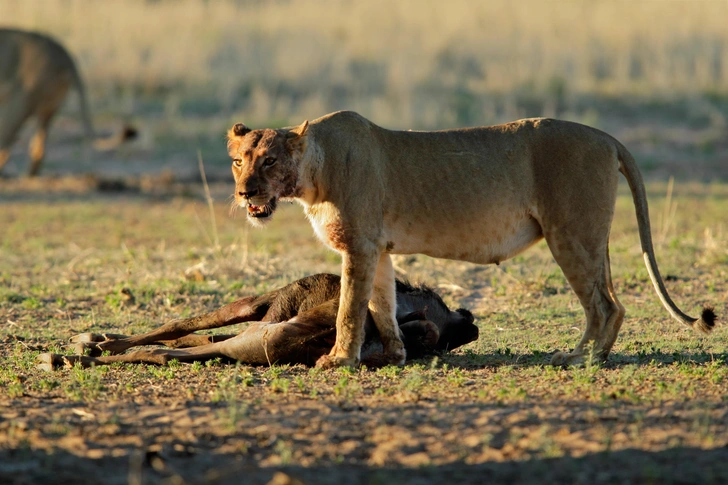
(383, 309)
(4, 156)
(38, 144)
(13, 113)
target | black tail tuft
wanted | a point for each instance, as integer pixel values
(707, 320)
(129, 132)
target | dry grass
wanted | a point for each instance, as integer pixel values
(653, 74)
(409, 63)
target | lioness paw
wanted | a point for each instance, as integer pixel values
(332, 361)
(560, 359)
(396, 356)
(565, 359)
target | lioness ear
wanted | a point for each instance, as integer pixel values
(238, 129)
(300, 130)
(296, 138)
(233, 133)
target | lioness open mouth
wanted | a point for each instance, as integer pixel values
(261, 211)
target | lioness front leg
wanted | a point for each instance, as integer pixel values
(357, 281)
(383, 306)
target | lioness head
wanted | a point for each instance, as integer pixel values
(265, 167)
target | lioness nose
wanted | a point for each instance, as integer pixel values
(248, 194)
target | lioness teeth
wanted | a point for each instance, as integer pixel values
(258, 210)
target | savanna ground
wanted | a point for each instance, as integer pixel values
(95, 229)
(494, 410)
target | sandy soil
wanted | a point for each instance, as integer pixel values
(176, 428)
(173, 431)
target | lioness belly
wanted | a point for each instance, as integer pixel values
(483, 242)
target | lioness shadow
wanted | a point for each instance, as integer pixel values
(618, 359)
(468, 359)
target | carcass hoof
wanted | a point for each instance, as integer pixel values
(50, 362)
(87, 343)
(94, 344)
(87, 338)
(85, 348)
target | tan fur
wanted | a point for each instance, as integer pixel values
(35, 75)
(479, 194)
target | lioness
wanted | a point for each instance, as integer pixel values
(477, 194)
(295, 324)
(35, 74)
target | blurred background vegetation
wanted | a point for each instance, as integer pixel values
(654, 74)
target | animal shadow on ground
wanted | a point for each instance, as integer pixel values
(469, 359)
(679, 465)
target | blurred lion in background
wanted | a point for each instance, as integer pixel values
(36, 73)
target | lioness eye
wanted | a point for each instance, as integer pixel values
(269, 161)
(238, 162)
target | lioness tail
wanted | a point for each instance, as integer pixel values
(628, 167)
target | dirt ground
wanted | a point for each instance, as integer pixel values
(494, 412)
(170, 432)
(97, 224)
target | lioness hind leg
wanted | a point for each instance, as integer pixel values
(589, 275)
